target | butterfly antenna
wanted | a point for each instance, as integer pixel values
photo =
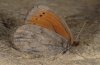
(80, 32)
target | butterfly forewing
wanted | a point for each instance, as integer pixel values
(44, 17)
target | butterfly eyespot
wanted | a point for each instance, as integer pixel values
(40, 15)
(43, 13)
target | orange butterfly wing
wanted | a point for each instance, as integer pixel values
(41, 22)
(47, 19)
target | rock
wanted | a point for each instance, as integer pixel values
(8, 24)
(3, 31)
(39, 41)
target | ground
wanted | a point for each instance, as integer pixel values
(75, 13)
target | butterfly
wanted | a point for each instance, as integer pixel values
(46, 18)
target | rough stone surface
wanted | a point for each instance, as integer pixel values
(39, 41)
(76, 12)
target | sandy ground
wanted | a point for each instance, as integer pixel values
(75, 12)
